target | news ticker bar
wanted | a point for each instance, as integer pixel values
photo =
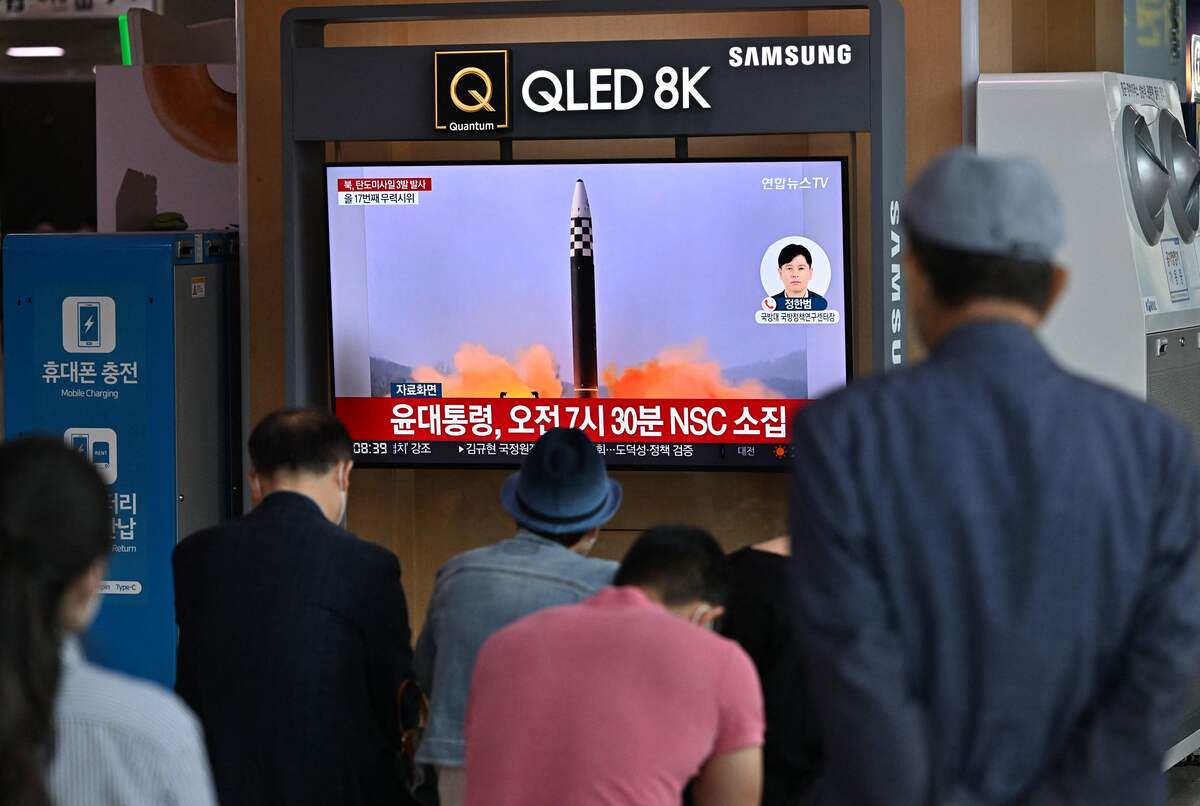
(378, 452)
(605, 420)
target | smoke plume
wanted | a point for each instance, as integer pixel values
(679, 372)
(676, 372)
(480, 373)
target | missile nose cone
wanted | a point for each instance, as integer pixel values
(579, 202)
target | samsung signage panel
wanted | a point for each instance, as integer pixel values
(591, 89)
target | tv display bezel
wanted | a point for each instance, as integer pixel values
(848, 262)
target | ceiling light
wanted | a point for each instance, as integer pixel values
(35, 52)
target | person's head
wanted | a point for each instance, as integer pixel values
(683, 567)
(306, 451)
(562, 491)
(983, 233)
(55, 537)
(795, 269)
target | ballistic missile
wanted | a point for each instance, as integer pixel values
(583, 295)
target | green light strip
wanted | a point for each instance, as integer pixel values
(126, 55)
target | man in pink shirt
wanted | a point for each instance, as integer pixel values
(623, 698)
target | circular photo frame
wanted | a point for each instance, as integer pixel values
(769, 267)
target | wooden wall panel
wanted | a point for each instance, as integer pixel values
(582, 29)
(1110, 35)
(1065, 53)
(996, 36)
(932, 78)
(1028, 31)
(428, 516)
(1034, 36)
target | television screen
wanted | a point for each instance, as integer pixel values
(678, 312)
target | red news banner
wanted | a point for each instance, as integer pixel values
(604, 419)
(372, 184)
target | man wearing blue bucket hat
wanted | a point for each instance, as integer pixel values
(994, 558)
(559, 499)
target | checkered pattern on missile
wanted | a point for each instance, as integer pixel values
(581, 237)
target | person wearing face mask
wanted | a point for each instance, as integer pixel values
(71, 732)
(293, 633)
(621, 699)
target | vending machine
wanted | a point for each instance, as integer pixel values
(1115, 148)
(125, 347)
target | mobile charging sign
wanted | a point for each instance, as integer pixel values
(89, 360)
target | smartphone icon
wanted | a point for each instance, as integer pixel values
(100, 455)
(97, 445)
(89, 324)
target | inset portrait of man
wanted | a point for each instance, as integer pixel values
(796, 272)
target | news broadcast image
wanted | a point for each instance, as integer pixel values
(476, 306)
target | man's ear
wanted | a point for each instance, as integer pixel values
(1058, 284)
(256, 486)
(343, 474)
(914, 277)
(711, 615)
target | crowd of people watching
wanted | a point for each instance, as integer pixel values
(987, 596)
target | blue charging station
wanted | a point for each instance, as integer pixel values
(125, 347)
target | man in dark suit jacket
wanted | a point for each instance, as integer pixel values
(293, 633)
(994, 557)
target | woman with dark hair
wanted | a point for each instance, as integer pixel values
(71, 733)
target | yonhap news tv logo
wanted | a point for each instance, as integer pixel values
(470, 90)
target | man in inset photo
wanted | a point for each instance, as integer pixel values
(795, 271)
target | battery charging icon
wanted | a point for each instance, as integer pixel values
(89, 324)
(80, 443)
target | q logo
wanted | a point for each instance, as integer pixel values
(482, 99)
(470, 90)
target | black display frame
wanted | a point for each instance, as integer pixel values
(306, 345)
(847, 313)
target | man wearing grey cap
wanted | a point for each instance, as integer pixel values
(994, 557)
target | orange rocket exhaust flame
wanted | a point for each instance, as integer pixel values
(676, 372)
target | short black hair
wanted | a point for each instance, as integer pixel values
(957, 276)
(793, 250)
(299, 440)
(681, 563)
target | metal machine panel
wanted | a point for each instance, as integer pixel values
(1129, 188)
(1129, 183)
(1173, 378)
(203, 414)
(1062, 122)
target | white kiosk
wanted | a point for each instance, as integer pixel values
(1115, 149)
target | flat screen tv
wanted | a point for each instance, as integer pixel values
(679, 312)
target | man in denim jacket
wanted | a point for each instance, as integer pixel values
(560, 499)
